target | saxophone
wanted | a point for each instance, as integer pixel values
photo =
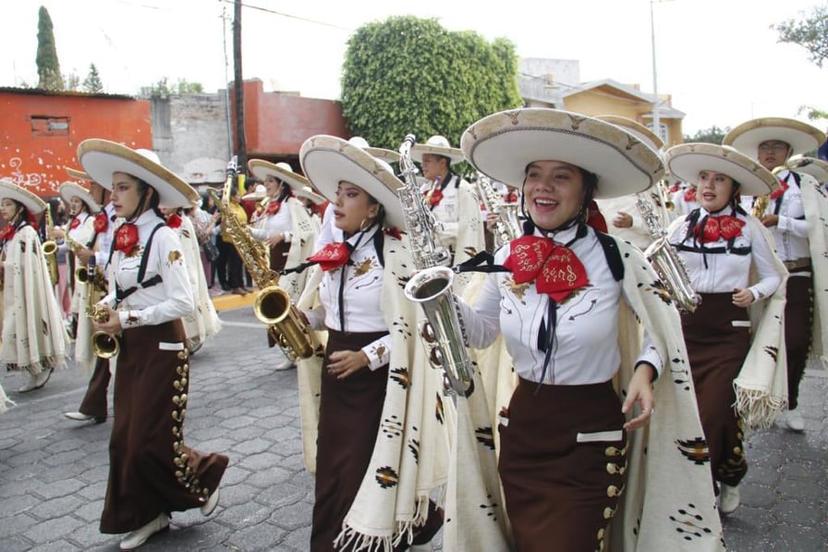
(49, 249)
(507, 226)
(430, 286)
(272, 305)
(104, 345)
(760, 203)
(666, 261)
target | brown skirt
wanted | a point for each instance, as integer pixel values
(151, 471)
(716, 349)
(349, 416)
(799, 316)
(561, 493)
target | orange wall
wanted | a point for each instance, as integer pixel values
(277, 124)
(36, 161)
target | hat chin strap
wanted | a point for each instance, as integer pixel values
(139, 210)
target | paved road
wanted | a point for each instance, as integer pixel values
(53, 472)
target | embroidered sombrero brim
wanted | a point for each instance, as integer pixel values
(809, 165)
(262, 169)
(75, 174)
(254, 196)
(387, 155)
(455, 155)
(637, 129)
(686, 161)
(30, 201)
(502, 145)
(746, 137)
(328, 160)
(68, 190)
(306, 192)
(101, 158)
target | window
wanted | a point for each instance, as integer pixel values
(43, 125)
(663, 132)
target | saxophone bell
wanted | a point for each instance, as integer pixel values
(273, 308)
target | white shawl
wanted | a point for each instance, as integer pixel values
(304, 231)
(203, 322)
(815, 202)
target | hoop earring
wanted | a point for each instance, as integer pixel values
(362, 227)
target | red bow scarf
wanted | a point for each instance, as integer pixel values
(273, 207)
(174, 221)
(7, 233)
(690, 194)
(555, 269)
(595, 218)
(434, 197)
(126, 238)
(725, 226)
(332, 256)
(75, 223)
(101, 222)
(780, 191)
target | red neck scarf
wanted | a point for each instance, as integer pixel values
(101, 222)
(75, 223)
(727, 227)
(7, 232)
(332, 256)
(555, 269)
(780, 191)
(126, 238)
(273, 207)
(174, 220)
(690, 195)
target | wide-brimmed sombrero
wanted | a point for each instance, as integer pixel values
(809, 165)
(437, 145)
(258, 193)
(68, 190)
(328, 160)
(387, 155)
(281, 171)
(685, 161)
(308, 193)
(637, 129)
(75, 174)
(101, 158)
(30, 201)
(802, 137)
(502, 145)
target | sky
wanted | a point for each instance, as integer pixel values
(718, 58)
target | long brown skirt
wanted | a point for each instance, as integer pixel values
(561, 493)
(151, 471)
(799, 316)
(349, 416)
(716, 349)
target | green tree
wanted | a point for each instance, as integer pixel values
(92, 83)
(164, 88)
(712, 135)
(407, 74)
(48, 66)
(810, 32)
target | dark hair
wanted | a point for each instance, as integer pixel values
(285, 192)
(380, 218)
(154, 200)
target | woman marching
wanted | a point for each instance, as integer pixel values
(563, 296)
(721, 246)
(152, 472)
(34, 338)
(378, 438)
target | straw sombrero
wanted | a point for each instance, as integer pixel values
(685, 161)
(437, 145)
(30, 201)
(68, 190)
(281, 171)
(387, 155)
(75, 174)
(328, 160)
(637, 129)
(802, 137)
(101, 158)
(258, 193)
(809, 165)
(502, 145)
(308, 193)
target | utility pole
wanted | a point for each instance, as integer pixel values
(238, 86)
(656, 118)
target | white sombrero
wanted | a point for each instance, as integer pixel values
(685, 161)
(281, 171)
(637, 129)
(101, 158)
(809, 165)
(308, 193)
(68, 190)
(30, 201)
(258, 193)
(328, 160)
(802, 137)
(387, 155)
(437, 145)
(502, 145)
(75, 174)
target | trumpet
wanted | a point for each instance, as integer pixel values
(49, 248)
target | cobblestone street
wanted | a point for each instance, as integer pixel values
(53, 471)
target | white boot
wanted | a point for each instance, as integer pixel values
(795, 421)
(138, 537)
(210, 506)
(36, 382)
(729, 499)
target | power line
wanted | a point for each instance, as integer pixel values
(290, 16)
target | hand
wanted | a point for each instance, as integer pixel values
(622, 220)
(56, 233)
(742, 297)
(770, 220)
(276, 239)
(84, 254)
(113, 324)
(640, 391)
(344, 363)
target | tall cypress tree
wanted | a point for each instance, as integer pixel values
(93, 82)
(48, 66)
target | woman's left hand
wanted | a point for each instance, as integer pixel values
(344, 363)
(742, 298)
(112, 326)
(640, 391)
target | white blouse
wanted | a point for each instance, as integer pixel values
(361, 299)
(446, 212)
(791, 231)
(104, 242)
(168, 300)
(586, 347)
(270, 225)
(727, 271)
(82, 233)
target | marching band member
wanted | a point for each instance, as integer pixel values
(563, 298)
(34, 337)
(375, 455)
(810, 165)
(721, 246)
(152, 472)
(794, 217)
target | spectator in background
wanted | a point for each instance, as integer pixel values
(822, 153)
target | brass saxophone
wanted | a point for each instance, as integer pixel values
(104, 345)
(507, 225)
(49, 248)
(666, 261)
(430, 286)
(760, 203)
(272, 305)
